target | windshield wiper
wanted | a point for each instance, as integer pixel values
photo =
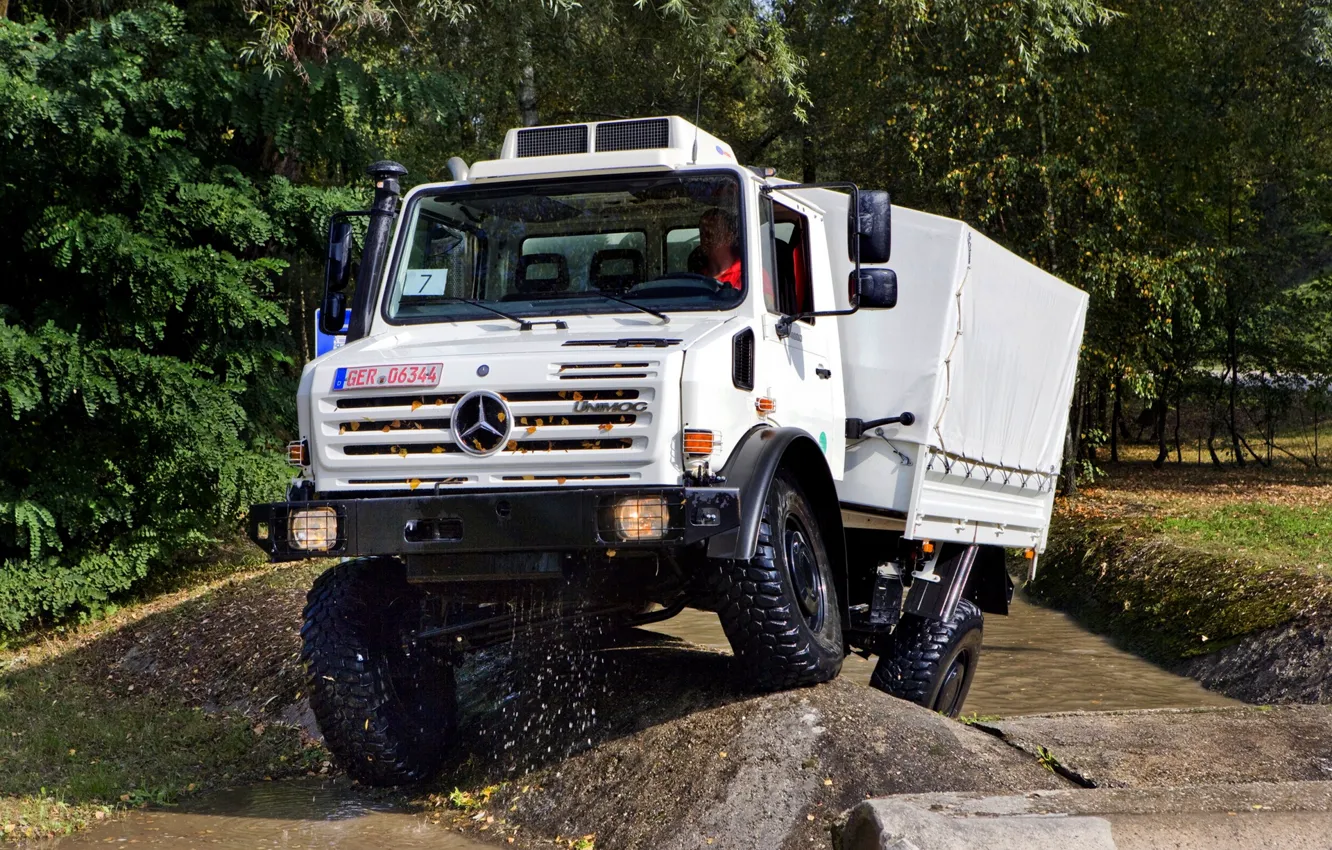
(523, 324)
(665, 319)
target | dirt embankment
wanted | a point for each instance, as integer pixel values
(1257, 632)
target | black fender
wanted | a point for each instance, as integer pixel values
(750, 469)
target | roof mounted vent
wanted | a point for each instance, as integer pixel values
(658, 143)
(548, 141)
(633, 135)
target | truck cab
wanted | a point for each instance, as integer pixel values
(609, 369)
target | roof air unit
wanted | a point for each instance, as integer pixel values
(549, 141)
(633, 135)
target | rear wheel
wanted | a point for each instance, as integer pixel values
(386, 708)
(779, 610)
(932, 662)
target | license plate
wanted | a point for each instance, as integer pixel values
(376, 377)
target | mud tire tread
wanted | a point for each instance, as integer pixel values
(364, 724)
(910, 662)
(773, 644)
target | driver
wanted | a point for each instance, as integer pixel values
(718, 252)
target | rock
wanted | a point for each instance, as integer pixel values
(646, 743)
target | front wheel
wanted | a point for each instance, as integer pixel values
(932, 662)
(387, 709)
(779, 610)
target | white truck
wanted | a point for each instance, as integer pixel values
(613, 374)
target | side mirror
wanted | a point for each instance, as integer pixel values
(337, 271)
(877, 289)
(875, 217)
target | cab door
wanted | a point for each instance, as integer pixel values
(800, 370)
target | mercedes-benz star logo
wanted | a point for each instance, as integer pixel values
(481, 423)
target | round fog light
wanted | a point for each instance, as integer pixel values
(641, 518)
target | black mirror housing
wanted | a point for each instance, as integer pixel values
(877, 289)
(875, 218)
(337, 272)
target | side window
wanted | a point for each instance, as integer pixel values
(794, 285)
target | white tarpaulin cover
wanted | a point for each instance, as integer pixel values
(983, 349)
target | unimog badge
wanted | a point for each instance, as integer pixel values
(609, 406)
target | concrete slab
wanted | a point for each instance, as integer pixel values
(1181, 747)
(1281, 816)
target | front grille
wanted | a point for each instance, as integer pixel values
(589, 418)
(517, 444)
(412, 401)
(550, 141)
(633, 135)
(390, 426)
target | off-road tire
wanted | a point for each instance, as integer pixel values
(932, 662)
(387, 713)
(777, 643)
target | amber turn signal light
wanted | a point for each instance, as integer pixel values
(298, 453)
(699, 443)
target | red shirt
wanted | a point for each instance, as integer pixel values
(731, 276)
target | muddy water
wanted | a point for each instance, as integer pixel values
(1034, 661)
(301, 814)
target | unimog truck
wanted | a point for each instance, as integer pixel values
(613, 374)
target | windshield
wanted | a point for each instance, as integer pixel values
(666, 243)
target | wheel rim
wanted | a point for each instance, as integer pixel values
(806, 577)
(950, 690)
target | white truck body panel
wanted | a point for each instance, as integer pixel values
(983, 349)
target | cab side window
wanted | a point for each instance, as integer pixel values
(791, 291)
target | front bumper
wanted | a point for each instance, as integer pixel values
(562, 520)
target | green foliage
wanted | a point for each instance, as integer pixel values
(138, 322)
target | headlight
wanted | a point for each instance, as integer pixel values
(313, 529)
(641, 518)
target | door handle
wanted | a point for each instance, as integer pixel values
(823, 372)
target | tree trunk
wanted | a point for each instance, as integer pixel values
(1162, 410)
(1232, 357)
(1071, 439)
(527, 95)
(809, 157)
(1211, 449)
(1179, 406)
(1117, 412)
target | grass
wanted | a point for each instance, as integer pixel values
(102, 718)
(1278, 517)
(1295, 535)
